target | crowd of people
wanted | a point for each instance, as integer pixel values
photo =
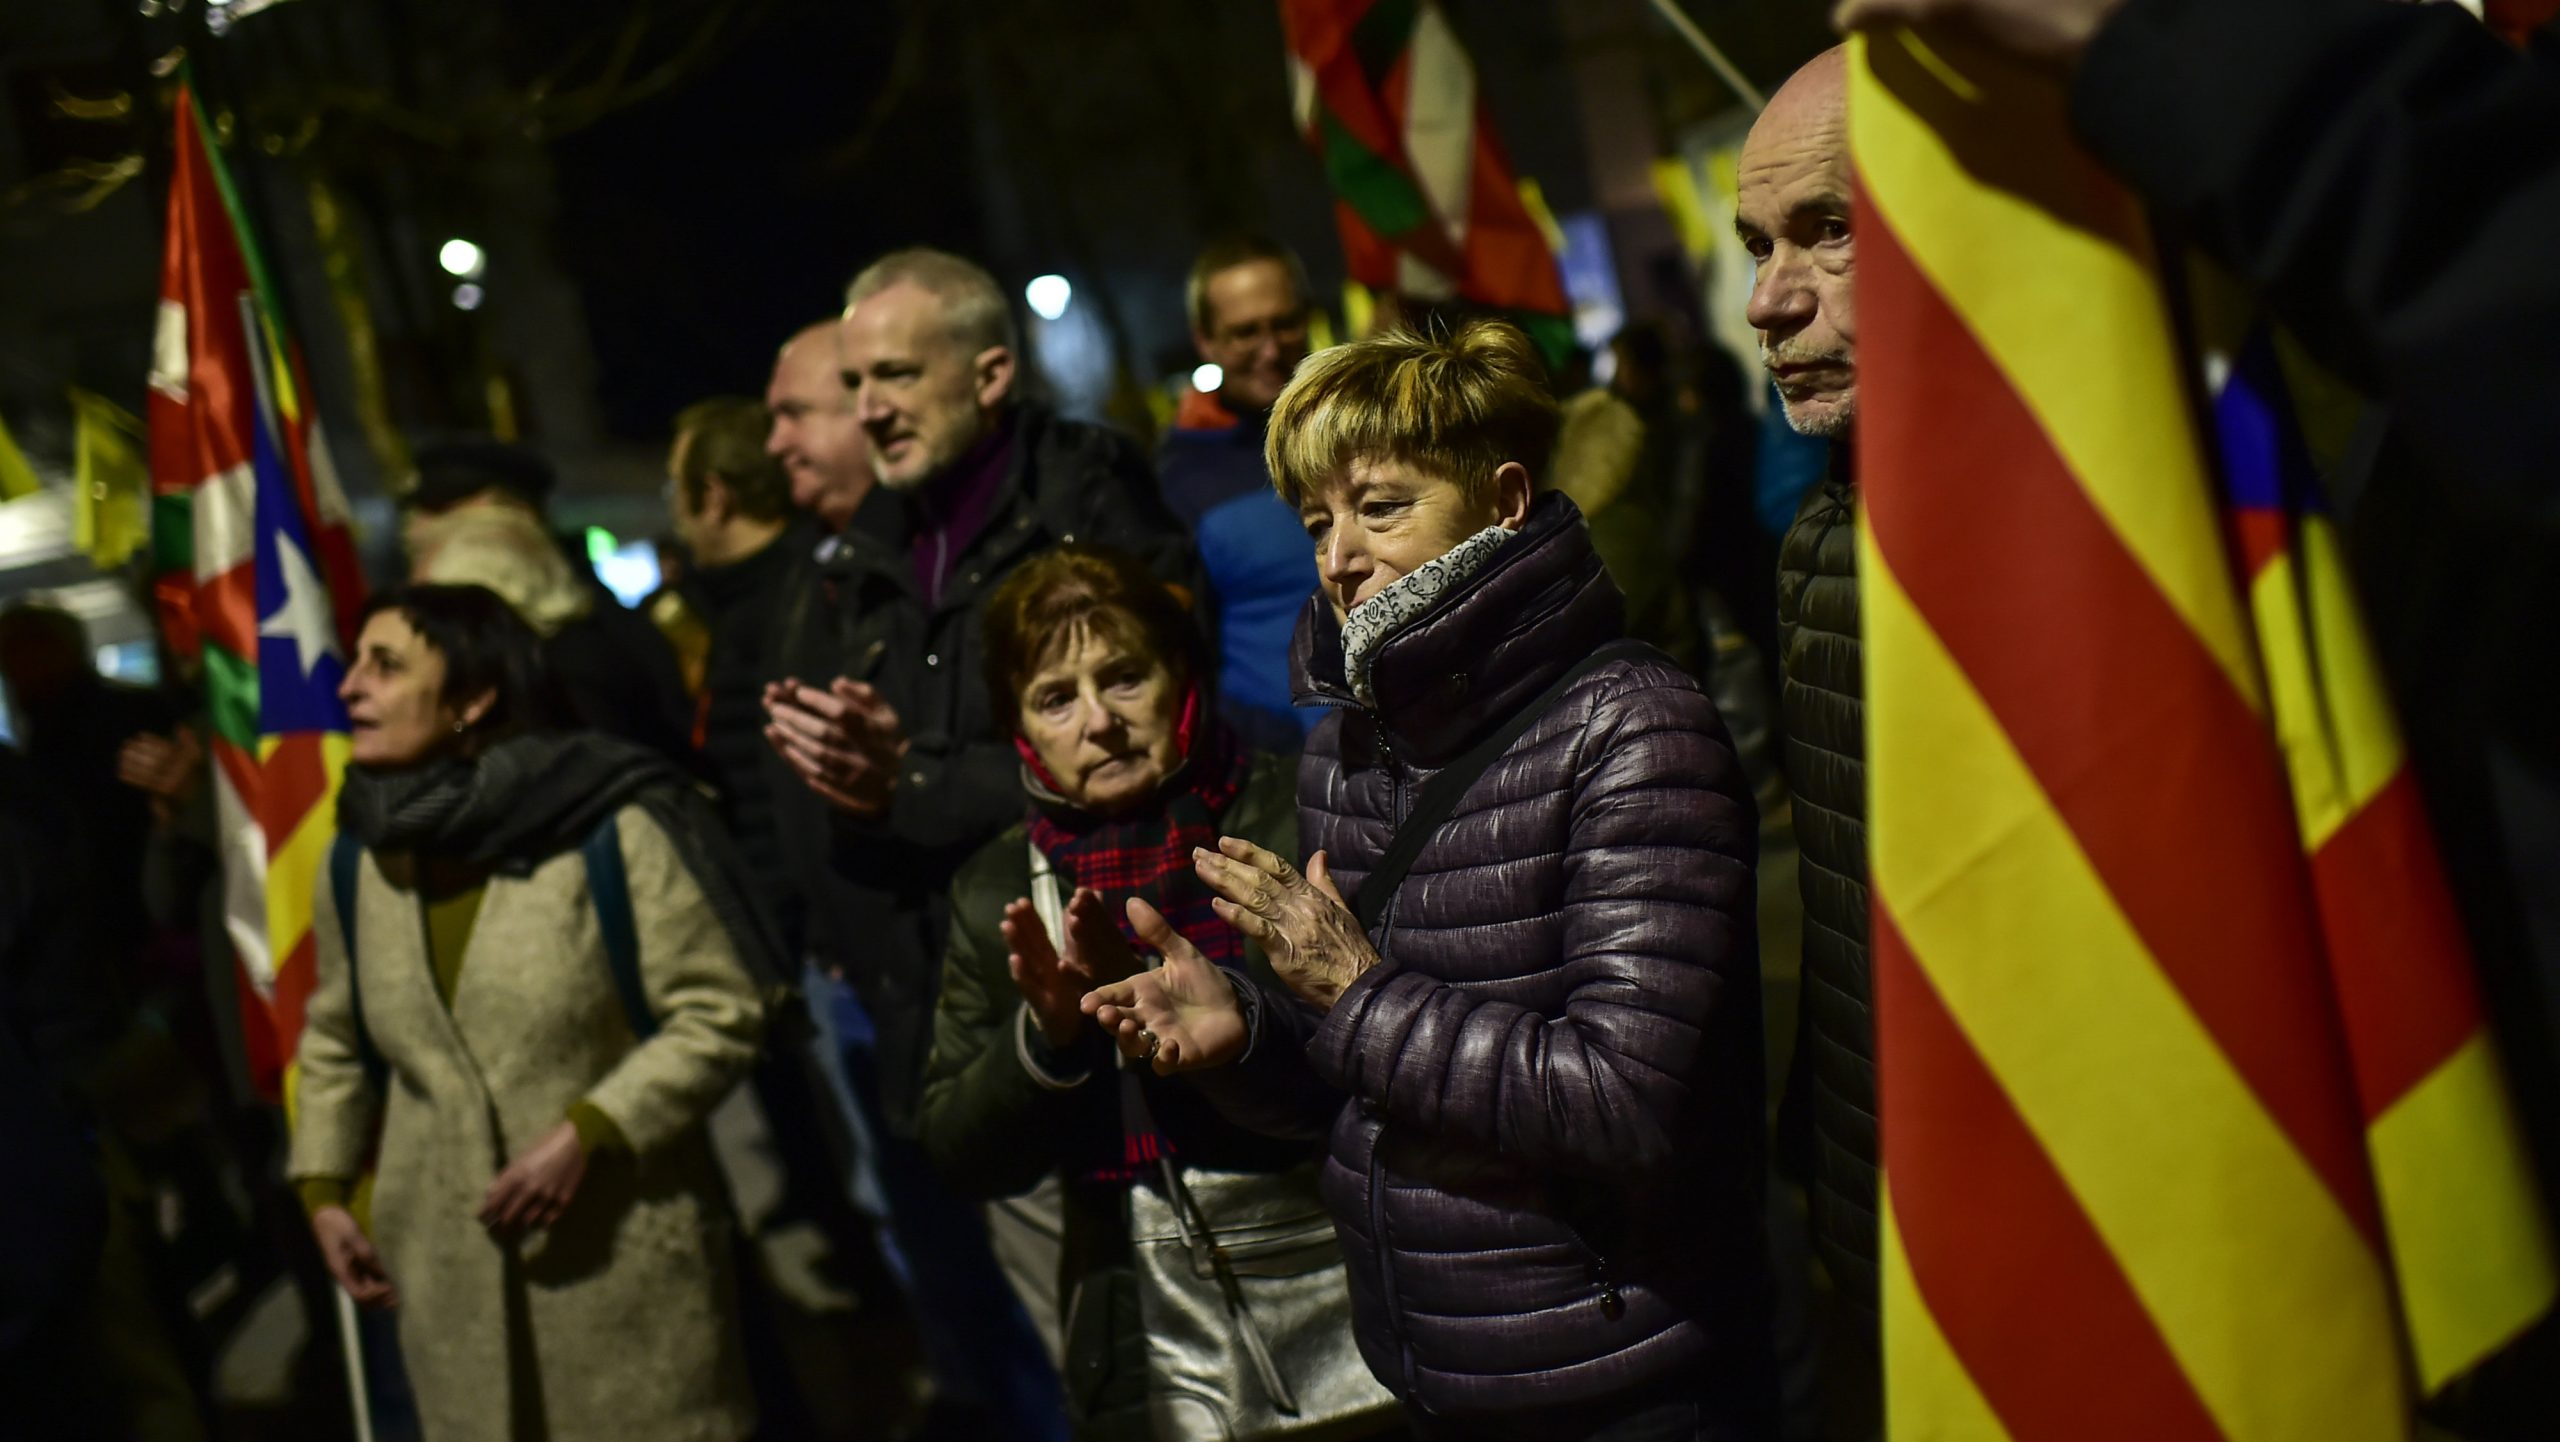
(1257, 940)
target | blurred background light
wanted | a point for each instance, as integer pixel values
(1047, 295)
(460, 257)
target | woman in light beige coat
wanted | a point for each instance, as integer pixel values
(546, 1216)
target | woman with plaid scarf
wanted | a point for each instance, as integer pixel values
(1128, 770)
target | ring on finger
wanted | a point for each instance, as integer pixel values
(1152, 1041)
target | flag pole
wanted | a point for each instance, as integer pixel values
(352, 1348)
(1725, 70)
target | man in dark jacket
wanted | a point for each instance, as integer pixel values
(1793, 216)
(886, 717)
(883, 722)
(730, 502)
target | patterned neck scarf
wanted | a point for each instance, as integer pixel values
(1406, 600)
(1147, 852)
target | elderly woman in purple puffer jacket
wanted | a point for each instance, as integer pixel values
(1535, 1044)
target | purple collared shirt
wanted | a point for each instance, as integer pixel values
(954, 508)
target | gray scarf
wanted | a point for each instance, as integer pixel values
(529, 798)
(1407, 599)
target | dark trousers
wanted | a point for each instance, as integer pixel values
(985, 1355)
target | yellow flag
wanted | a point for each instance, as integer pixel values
(17, 478)
(111, 485)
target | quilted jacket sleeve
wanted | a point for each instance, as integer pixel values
(1656, 916)
(1271, 1089)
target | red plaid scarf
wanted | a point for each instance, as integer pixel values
(1147, 853)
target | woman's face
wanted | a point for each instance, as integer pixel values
(1101, 719)
(1375, 521)
(396, 712)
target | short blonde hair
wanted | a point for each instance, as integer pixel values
(1454, 406)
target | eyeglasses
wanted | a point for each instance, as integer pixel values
(1290, 327)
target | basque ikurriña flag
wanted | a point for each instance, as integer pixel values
(2191, 1128)
(1426, 204)
(258, 583)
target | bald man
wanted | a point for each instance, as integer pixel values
(816, 434)
(1792, 214)
(1793, 217)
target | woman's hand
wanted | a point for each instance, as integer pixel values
(1315, 944)
(1182, 1016)
(351, 1257)
(1050, 984)
(1053, 985)
(1094, 940)
(536, 1187)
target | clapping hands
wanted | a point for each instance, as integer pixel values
(844, 740)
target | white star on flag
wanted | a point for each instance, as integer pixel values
(304, 618)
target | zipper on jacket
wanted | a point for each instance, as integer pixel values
(1395, 817)
(1387, 1256)
(1613, 1305)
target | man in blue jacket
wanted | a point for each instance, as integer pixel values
(1248, 305)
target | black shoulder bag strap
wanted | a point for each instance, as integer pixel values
(1447, 786)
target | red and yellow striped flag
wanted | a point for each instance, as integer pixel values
(2190, 1125)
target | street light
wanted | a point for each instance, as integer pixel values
(467, 296)
(461, 259)
(1048, 295)
(1206, 379)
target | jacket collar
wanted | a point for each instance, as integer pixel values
(1486, 648)
(872, 548)
(715, 588)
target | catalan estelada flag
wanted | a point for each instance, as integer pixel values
(257, 584)
(2191, 1128)
(1425, 202)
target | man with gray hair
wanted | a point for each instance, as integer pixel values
(903, 765)
(899, 738)
(1792, 212)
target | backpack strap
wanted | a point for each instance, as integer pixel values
(1447, 786)
(346, 859)
(609, 885)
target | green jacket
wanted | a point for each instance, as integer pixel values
(992, 1130)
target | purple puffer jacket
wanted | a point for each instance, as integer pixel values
(1547, 1177)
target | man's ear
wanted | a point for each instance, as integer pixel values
(994, 370)
(1513, 489)
(478, 706)
(718, 504)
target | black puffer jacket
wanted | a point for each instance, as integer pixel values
(1548, 1182)
(878, 891)
(1831, 1120)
